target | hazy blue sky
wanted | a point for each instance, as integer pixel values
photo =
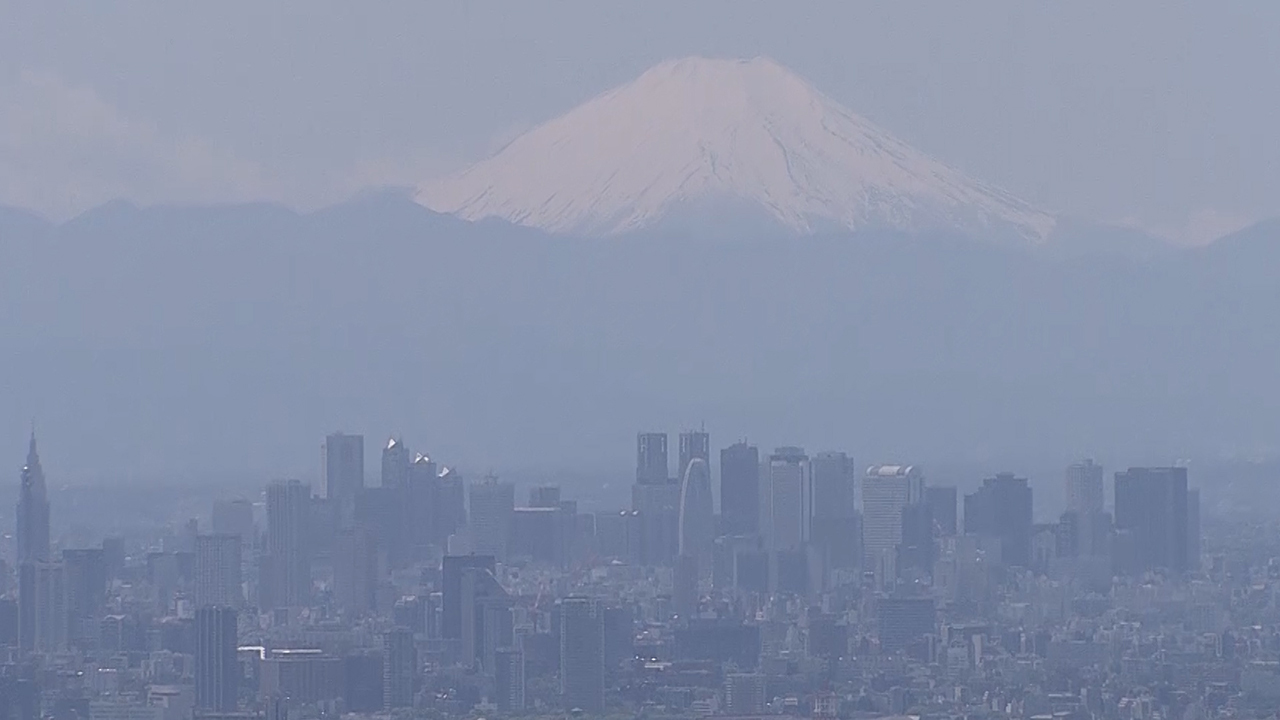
(1159, 113)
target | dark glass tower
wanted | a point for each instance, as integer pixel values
(217, 670)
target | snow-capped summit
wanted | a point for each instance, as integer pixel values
(723, 133)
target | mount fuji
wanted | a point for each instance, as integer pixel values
(720, 140)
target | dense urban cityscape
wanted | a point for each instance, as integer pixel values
(813, 589)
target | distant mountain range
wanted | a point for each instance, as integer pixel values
(181, 342)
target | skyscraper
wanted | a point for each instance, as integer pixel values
(396, 460)
(1084, 487)
(740, 490)
(582, 654)
(399, 668)
(694, 444)
(657, 508)
(85, 578)
(886, 490)
(342, 467)
(33, 510)
(1151, 515)
(508, 679)
(1001, 509)
(790, 499)
(288, 513)
(944, 507)
(491, 515)
(1193, 530)
(422, 505)
(697, 515)
(42, 608)
(916, 551)
(487, 622)
(836, 525)
(452, 570)
(651, 458)
(451, 505)
(217, 668)
(217, 576)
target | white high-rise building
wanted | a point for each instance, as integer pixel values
(790, 496)
(886, 490)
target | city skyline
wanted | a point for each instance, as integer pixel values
(654, 361)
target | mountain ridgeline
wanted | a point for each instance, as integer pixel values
(185, 342)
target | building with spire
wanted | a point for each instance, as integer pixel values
(33, 510)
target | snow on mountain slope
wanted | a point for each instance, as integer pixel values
(705, 130)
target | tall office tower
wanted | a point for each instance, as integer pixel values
(487, 622)
(833, 482)
(697, 515)
(289, 557)
(492, 512)
(1084, 487)
(657, 508)
(85, 578)
(323, 522)
(452, 569)
(33, 510)
(399, 668)
(739, 490)
(545, 496)
(944, 507)
(396, 460)
(1083, 534)
(916, 551)
(1151, 515)
(744, 694)
(355, 571)
(836, 525)
(790, 498)
(42, 608)
(217, 668)
(451, 506)
(1001, 509)
(423, 497)
(1193, 530)
(582, 654)
(651, 458)
(342, 467)
(508, 680)
(886, 490)
(218, 563)
(694, 444)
